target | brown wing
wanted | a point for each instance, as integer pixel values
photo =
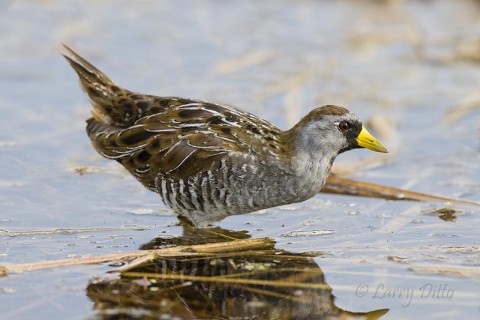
(180, 142)
(168, 136)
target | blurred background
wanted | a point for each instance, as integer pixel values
(410, 69)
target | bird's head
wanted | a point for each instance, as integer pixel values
(333, 130)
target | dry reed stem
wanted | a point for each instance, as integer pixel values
(454, 271)
(204, 249)
(221, 279)
(345, 186)
(462, 109)
(247, 60)
(9, 233)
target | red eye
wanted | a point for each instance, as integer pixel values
(344, 126)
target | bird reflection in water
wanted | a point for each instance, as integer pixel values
(265, 283)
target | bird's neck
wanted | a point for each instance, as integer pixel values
(312, 165)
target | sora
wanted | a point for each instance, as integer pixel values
(209, 161)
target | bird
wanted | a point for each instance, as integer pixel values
(209, 161)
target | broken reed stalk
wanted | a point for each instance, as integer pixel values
(193, 250)
(345, 186)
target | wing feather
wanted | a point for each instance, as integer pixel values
(185, 140)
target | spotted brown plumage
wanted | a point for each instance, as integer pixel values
(207, 160)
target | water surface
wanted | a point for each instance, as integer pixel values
(408, 62)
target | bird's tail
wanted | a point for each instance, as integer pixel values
(110, 102)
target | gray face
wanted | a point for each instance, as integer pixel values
(331, 133)
(350, 127)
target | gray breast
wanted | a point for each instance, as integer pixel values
(233, 186)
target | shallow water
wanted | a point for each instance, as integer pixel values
(409, 62)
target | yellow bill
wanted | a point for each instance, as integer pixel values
(366, 140)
